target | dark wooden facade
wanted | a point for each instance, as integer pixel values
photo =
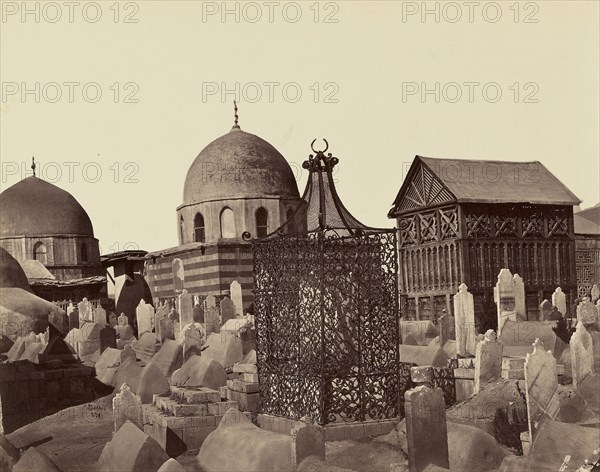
(458, 221)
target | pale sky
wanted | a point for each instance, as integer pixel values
(360, 68)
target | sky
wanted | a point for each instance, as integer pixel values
(116, 99)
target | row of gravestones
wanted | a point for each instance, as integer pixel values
(509, 295)
(425, 409)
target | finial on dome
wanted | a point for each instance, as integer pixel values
(33, 165)
(236, 117)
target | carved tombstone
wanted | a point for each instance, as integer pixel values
(185, 308)
(464, 321)
(235, 290)
(488, 360)
(127, 406)
(504, 296)
(586, 312)
(144, 313)
(541, 387)
(582, 354)
(99, 315)
(178, 275)
(559, 300)
(85, 309)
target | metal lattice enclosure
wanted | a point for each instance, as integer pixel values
(326, 307)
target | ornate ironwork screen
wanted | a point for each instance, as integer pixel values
(326, 310)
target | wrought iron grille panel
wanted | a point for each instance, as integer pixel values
(443, 377)
(326, 311)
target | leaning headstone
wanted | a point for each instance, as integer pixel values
(582, 354)
(541, 387)
(504, 296)
(586, 312)
(227, 310)
(127, 406)
(85, 309)
(212, 319)
(99, 315)
(559, 300)
(235, 290)
(546, 310)
(488, 360)
(464, 321)
(426, 430)
(108, 338)
(144, 313)
(162, 311)
(520, 307)
(595, 293)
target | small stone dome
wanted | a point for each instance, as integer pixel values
(34, 207)
(239, 165)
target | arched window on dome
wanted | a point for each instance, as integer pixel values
(39, 252)
(288, 216)
(84, 252)
(181, 232)
(227, 223)
(262, 222)
(199, 232)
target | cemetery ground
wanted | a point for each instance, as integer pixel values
(183, 392)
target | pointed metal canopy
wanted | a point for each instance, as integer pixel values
(321, 208)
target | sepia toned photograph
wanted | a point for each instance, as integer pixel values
(300, 236)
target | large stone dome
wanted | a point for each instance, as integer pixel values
(36, 207)
(238, 165)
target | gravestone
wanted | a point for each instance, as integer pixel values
(595, 293)
(520, 307)
(166, 328)
(185, 308)
(464, 321)
(99, 315)
(541, 387)
(108, 338)
(488, 360)
(124, 331)
(112, 320)
(546, 310)
(587, 312)
(198, 313)
(559, 300)
(212, 319)
(426, 430)
(178, 275)
(85, 309)
(193, 338)
(504, 296)
(90, 333)
(162, 311)
(127, 406)
(227, 310)
(210, 302)
(235, 291)
(582, 354)
(144, 313)
(73, 316)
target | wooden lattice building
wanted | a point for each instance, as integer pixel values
(463, 221)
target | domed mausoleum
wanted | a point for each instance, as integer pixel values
(238, 183)
(43, 223)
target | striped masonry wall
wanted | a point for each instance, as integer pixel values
(210, 273)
